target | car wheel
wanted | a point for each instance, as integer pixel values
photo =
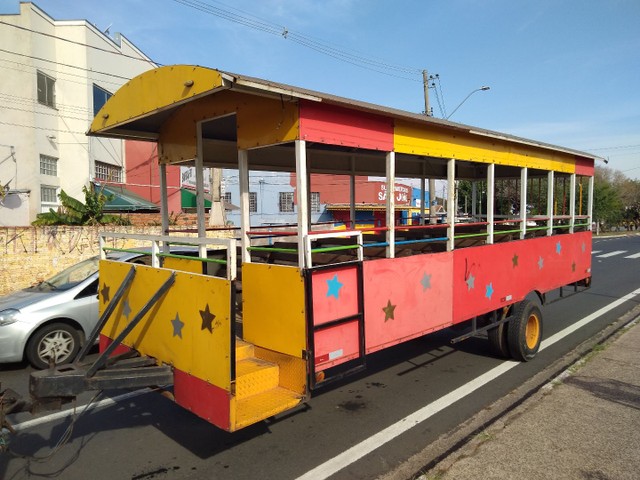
(58, 342)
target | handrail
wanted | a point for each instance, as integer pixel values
(160, 248)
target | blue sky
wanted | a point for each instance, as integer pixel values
(565, 72)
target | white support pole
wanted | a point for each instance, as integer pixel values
(302, 190)
(550, 195)
(423, 185)
(572, 202)
(491, 188)
(451, 203)
(432, 200)
(474, 199)
(523, 202)
(352, 193)
(590, 204)
(391, 204)
(202, 231)
(164, 200)
(245, 223)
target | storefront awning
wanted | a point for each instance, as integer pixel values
(188, 200)
(123, 200)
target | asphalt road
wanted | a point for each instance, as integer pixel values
(148, 437)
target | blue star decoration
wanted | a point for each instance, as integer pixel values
(389, 311)
(489, 291)
(177, 326)
(105, 293)
(126, 309)
(471, 282)
(207, 319)
(584, 247)
(540, 263)
(426, 281)
(558, 248)
(333, 287)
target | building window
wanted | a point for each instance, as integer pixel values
(253, 202)
(100, 97)
(48, 197)
(48, 165)
(46, 90)
(286, 202)
(227, 197)
(315, 202)
(108, 172)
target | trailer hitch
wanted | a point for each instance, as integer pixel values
(10, 402)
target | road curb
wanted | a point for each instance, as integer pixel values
(453, 445)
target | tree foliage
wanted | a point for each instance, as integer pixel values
(74, 212)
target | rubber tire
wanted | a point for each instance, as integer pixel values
(67, 337)
(525, 331)
(498, 341)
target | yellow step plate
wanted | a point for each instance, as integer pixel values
(254, 376)
(244, 350)
(264, 405)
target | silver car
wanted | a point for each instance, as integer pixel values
(51, 320)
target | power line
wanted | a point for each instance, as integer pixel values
(356, 59)
(146, 60)
(58, 72)
(64, 64)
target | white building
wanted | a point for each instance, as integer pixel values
(54, 76)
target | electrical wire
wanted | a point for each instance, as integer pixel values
(146, 60)
(356, 59)
(64, 64)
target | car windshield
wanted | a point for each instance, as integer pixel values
(70, 277)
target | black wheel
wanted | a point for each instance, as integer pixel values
(525, 331)
(57, 341)
(498, 341)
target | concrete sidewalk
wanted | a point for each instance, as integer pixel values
(583, 425)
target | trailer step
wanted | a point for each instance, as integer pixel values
(244, 350)
(254, 376)
(263, 405)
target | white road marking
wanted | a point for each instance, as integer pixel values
(593, 252)
(635, 255)
(612, 254)
(346, 458)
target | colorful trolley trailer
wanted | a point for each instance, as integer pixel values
(252, 322)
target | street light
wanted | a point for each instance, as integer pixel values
(483, 88)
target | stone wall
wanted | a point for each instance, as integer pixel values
(31, 254)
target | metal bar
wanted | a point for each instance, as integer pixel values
(491, 184)
(550, 194)
(452, 203)
(102, 359)
(523, 202)
(334, 249)
(572, 201)
(272, 249)
(186, 257)
(391, 202)
(105, 315)
(302, 190)
(338, 321)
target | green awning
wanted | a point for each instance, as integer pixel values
(188, 199)
(124, 200)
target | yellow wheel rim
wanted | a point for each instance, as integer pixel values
(532, 332)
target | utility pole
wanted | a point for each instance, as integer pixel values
(425, 84)
(432, 181)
